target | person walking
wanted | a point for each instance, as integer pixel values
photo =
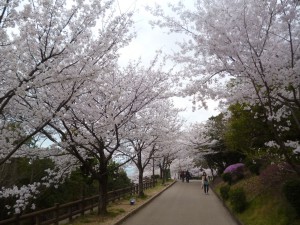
(202, 179)
(182, 175)
(206, 185)
(187, 176)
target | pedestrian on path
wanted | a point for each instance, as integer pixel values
(187, 176)
(182, 176)
(206, 185)
(202, 179)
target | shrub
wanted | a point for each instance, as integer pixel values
(235, 168)
(274, 174)
(237, 198)
(291, 190)
(253, 166)
(227, 178)
(156, 176)
(236, 171)
(224, 191)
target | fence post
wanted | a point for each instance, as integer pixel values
(37, 219)
(17, 219)
(70, 213)
(56, 213)
(82, 205)
(92, 204)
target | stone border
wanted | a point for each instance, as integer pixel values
(121, 220)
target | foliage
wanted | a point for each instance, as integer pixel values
(247, 130)
(22, 171)
(291, 190)
(269, 208)
(227, 177)
(236, 171)
(52, 55)
(76, 186)
(224, 191)
(234, 168)
(217, 127)
(273, 175)
(265, 206)
(117, 178)
(220, 160)
(254, 166)
(237, 198)
(156, 176)
(250, 57)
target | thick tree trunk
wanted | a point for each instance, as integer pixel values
(141, 188)
(103, 196)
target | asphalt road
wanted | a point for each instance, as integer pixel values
(183, 204)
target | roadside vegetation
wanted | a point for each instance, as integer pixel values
(118, 209)
(77, 185)
(265, 204)
(259, 184)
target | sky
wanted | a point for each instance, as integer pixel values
(149, 40)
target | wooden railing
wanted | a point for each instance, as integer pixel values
(69, 210)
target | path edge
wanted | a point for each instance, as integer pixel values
(121, 220)
(228, 209)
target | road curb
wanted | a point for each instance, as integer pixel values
(121, 220)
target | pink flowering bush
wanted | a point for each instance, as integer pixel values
(236, 171)
(235, 168)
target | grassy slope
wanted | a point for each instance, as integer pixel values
(266, 206)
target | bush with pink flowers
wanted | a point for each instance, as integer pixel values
(236, 171)
(235, 168)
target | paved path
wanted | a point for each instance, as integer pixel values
(183, 204)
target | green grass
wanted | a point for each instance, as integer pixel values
(266, 206)
(267, 209)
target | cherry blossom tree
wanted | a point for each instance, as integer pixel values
(243, 51)
(151, 128)
(172, 146)
(185, 153)
(48, 50)
(51, 51)
(94, 128)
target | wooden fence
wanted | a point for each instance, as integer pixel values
(69, 210)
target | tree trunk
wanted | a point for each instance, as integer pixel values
(160, 172)
(141, 188)
(103, 196)
(164, 174)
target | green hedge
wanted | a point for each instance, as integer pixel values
(291, 190)
(227, 177)
(237, 198)
(224, 191)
